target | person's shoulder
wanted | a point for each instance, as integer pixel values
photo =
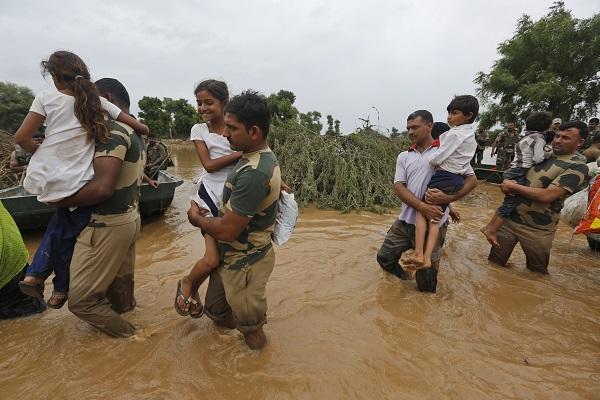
(199, 131)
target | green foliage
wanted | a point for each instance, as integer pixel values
(167, 117)
(282, 106)
(15, 102)
(311, 121)
(551, 64)
(343, 172)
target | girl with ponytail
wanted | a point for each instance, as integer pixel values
(76, 118)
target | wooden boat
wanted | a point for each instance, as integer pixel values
(30, 214)
(488, 173)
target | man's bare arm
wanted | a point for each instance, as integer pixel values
(541, 195)
(431, 212)
(226, 228)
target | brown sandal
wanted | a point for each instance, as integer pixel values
(61, 298)
(196, 307)
(180, 311)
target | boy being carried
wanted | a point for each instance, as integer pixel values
(529, 151)
(451, 162)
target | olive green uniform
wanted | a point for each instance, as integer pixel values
(102, 268)
(481, 138)
(505, 149)
(157, 155)
(533, 224)
(237, 287)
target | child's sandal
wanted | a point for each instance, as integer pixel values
(57, 300)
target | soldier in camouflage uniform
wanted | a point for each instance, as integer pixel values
(101, 282)
(481, 138)
(19, 159)
(594, 131)
(157, 154)
(533, 223)
(235, 297)
(504, 147)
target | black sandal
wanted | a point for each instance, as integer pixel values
(32, 289)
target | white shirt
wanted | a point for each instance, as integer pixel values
(63, 163)
(413, 169)
(457, 147)
(218, 146)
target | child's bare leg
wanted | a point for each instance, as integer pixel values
(491, 229)
(201, 270)
(420, 230)
(211, 259)
(432, 237)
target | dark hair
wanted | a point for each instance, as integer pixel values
(465, 104)
(251, 108)
(217, 88)
(438, 128)
(115, 88)
(424, 114)
(596, 120)
(69, 69)
(583, 129)
(538, 121)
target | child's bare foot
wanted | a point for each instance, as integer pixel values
(490, 236)
(418, 260)
(182, 298)
(426, 264)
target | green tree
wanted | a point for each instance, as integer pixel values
(153, 115)
(311, 121)
(330, 129)
(282, 106)
(395, 132)
(182, 117)
(15, 102)
(551, 64)
(336, 129)
(167, 117)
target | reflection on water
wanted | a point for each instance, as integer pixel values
(338, 326)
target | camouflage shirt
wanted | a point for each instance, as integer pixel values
(567, 172)
(21, 156)
(156, 153)
(252, 190)
(481, 138)
(122, 206)
(507, 142)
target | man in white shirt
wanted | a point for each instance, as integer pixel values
(413, 172)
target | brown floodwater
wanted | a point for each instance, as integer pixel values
(338, 326)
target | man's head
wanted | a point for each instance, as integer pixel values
(152, 139)
(593, 124)
(596, 141)
(538, 121)
(569, 137)
(462, 110)
(418, 126)
(511, 127)
(115, 92)
(555, 124)
(247, 120)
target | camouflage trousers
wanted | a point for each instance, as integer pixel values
(536, 245)
(401, 237)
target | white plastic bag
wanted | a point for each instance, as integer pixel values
(574, 208)
(287, 214)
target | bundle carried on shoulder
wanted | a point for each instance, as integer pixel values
(287, 215)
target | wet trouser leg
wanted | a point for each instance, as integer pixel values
(15, 304)
(241, 293)
(401, 237)
(395, 243)
(536, 245)
(101, 255)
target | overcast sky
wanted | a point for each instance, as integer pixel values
(339, 57)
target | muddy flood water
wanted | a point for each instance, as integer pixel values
(339, 327)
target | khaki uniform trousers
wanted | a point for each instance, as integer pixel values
(241, 293)
(101, 283)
